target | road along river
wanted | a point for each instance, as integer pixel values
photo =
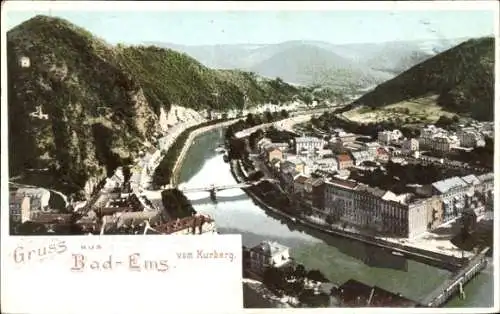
(338, 258)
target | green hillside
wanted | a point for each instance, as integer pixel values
(462, 78)
(102, 101)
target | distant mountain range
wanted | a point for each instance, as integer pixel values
(316, 62)
(462, 78)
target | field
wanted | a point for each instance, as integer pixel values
(415, 111)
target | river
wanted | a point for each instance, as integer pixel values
(338, 258)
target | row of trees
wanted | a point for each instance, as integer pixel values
(329, 121)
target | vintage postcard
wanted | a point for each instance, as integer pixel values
(255, 156)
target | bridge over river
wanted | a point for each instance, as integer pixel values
(219, 187)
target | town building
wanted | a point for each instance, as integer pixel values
(314, 193)
(387, 137)
(452, 192)
(356, 146)
(368, 211)
(308, 144)
(262, 142)
(427, 134)
(269, 254)
(434, 208)
(372, 147)
(470, 137)
(287, 174)
(273, 153)
(442, 143)
(19, 208)
(39, 198)
(338, 195)
(361, 156)
(344, 161)
(410, 145)
(295, 163)
(299, 185)
(371, 208)
(382, 155)
(344, 137)
(24, 62)
(325, 153)
(284, 147)
(486, 189)
(325, 164)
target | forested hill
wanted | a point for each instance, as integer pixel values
(100, 103)
(462, 77)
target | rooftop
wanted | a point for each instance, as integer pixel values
(295, 161)
(325, 161)
(301, 179)
(304, 139)
(377, 192)
(360, 154)
(269, 248)
(134, 218)
(471, 179)
(382, 150)
(316, 181)
(446, 185)
(343, 183)
(399, 198)
(271, 149)
(343, 158)
(372, 145)
(486, 177)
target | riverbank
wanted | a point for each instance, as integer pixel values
(187, 144)
(436, 259)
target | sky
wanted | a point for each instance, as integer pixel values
(265, 27)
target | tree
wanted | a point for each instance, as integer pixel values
(273, 278)
(250, 120)
(469, 220)
(127, 174)
(330, 219)
(268, 116)
(284, 114)
(300, 271)
(309, 298)
(316, 275)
